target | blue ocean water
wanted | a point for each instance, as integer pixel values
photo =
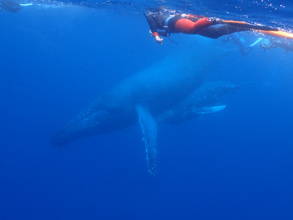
(56, 57)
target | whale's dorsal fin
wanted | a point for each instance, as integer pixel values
(210, 109)
(149, 131)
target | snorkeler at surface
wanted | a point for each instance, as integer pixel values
(240, 42)
(274, 43)
(168, 21)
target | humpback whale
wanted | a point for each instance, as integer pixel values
(144, 97)
(200, 101)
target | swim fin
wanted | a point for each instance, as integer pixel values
(261, 29)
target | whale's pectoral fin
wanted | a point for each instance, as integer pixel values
(149, 131)
(210, 109)
(25, 5)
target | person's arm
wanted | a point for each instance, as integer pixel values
(157, 37)
(153, 26)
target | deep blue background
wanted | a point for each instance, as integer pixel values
(234, 164)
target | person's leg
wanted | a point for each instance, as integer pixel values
(216, 32)
(188, 26)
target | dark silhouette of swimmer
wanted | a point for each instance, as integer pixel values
(11, 6)
(168, 21)
(239, 41)
(274, 43)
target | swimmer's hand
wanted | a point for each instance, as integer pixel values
(159, 40)
(156, 36)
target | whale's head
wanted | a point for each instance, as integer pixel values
(92, 121)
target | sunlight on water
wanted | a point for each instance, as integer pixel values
(266, 12)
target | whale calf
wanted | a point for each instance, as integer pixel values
(144, 97)
(200, 101)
